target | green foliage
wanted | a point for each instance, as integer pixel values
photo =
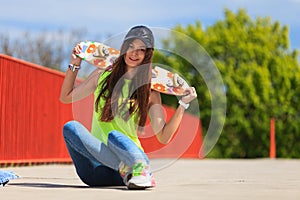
(261, 76)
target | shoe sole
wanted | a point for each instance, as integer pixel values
(132, 186)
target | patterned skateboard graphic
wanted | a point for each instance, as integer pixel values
(102, 56)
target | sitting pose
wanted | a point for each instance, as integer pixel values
(112, 154)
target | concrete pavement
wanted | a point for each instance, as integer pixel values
(177, 179)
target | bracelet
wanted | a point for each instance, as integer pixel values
(73, 68)
(185, 105)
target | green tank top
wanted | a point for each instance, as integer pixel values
(101, 129)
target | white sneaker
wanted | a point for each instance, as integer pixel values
(141, 178)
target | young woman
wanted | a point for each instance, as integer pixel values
(112, 153)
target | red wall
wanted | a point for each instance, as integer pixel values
(32, 118)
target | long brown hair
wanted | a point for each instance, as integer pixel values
(139, 89)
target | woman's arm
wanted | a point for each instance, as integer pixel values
(165, 131)
(71, 93)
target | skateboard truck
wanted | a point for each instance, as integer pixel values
(101, 52)
(176, 81)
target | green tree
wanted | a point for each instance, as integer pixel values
(261, 76)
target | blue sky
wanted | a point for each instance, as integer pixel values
(113, 17)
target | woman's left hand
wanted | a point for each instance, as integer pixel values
(192, 94)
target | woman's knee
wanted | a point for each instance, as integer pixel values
(118, 136)
(120, 140)
(69, 128)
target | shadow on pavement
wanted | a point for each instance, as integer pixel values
(55, 185)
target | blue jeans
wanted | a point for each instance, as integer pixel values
(97, 164)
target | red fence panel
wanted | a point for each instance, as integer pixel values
(185, 143)
(32, 117)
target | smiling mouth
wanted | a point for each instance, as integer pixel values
(134, 59)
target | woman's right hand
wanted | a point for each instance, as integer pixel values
(75, 60)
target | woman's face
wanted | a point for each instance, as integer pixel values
(135, 54)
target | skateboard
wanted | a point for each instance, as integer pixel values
(103, 56)
(168, 82)
(98, 54)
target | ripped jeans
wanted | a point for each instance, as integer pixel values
(97, 164)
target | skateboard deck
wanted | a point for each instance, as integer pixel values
(102, 56)
(98, 54)
(168, 82)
